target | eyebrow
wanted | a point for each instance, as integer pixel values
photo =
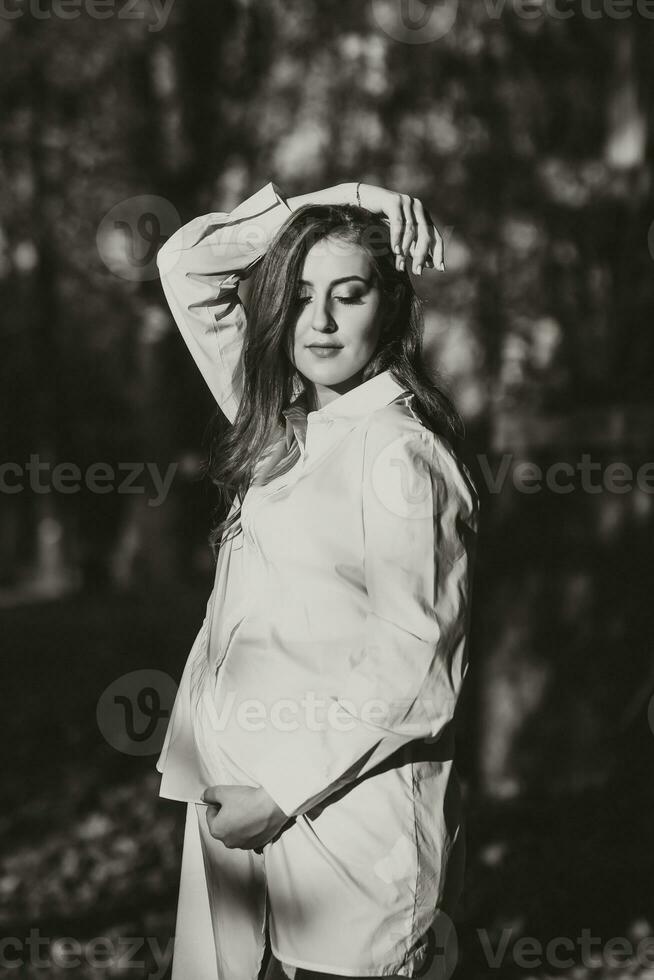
(335, 282)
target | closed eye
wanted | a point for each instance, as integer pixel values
(346, 300)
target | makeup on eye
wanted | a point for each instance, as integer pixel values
(351, 299)
(348, 300)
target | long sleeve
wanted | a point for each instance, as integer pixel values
(201, 266)
(420, 515)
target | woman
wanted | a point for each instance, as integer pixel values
(311, 735)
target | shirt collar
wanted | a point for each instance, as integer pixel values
(374, 393)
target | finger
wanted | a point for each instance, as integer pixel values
(409, 224)
(396, 220)
(214, 823)
(423, 238)
(436, 253)
(213, 794)
(438, 250)
(220, 830)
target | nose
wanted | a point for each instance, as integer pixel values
(321, 318)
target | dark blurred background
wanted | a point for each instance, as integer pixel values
(527, 128)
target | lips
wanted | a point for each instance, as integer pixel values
(323, 351)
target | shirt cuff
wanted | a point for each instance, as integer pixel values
(268, 206)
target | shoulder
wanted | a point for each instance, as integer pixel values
(394, 437)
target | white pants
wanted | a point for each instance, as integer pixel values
(198, 954)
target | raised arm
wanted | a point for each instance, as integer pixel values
(203, 262)
(201, 266)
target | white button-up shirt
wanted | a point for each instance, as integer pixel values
(331, 656)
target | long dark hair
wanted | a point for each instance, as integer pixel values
(271, 380)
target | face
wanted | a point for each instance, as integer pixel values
(339, 305)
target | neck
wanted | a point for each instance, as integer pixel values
(324, 394)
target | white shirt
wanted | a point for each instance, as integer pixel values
(332, 653)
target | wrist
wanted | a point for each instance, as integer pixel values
(345, 193)
(349, 192)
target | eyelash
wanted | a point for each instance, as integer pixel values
(347, 300)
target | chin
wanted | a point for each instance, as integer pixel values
(331, 379)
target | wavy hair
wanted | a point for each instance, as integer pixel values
(270, 380)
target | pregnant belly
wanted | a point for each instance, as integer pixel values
(208, 722)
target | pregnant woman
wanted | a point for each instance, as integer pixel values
(312, 734)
